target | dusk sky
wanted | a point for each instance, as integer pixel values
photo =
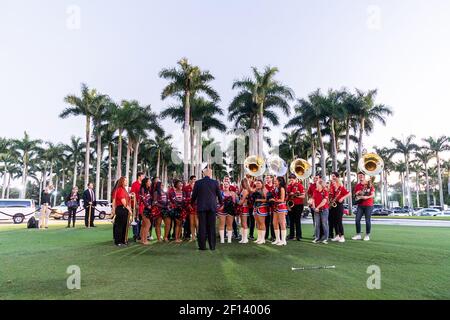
(401, 48)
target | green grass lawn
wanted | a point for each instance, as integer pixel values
(414, 262)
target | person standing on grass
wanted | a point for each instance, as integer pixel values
(260, 210)
(321, 207)
(366, 192)
(45, 207)
(269, 195)
(226, 213)
(160, 209)
(72, 203)
(295, 193)
(178, 211)
(89, 203)
(280, 211)
(206, 195)
(122, 212)
(338, 194)
(244, 210)
(146, 212)
(137, 206)
(191, 224)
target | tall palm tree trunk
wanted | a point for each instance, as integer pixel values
(427, 181)
(63, 180)
(441, 190)
(99, 159)
(127, 161)
(187, 134)
(348, 165)
(119, 156)
(88, 147)
(5, 182)
(24, 176)
(193, 159)
(360, 140)
(75, 173)
(313, 157)
(158, 163)
(417, 189)
(322, 153)
(333, 146)
(402, 180)
(135, 160)
(260, 135)
(109, 186)
(408, 187)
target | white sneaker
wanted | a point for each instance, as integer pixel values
(357, 237)
(367, 238)
(276, 242)
(261, 242)
(325, 242)
(314, 241)
(336, 239)
(151, 238)
(342, 239)
(282, 243)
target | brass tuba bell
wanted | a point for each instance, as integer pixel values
(276, 166)
(371, 164)
(301, 168)
(254, 166)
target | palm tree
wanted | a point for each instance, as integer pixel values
(74, 151)
(83, 106)
(436, 146)
(367, 113)
(26, 146)
(424, 156)
(258, 94)
(400, 167)
(187, 81)
(405, 148)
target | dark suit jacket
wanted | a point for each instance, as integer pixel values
(87, 198)
(206, 193)
(69, 196)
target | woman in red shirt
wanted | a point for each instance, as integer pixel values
(320, 206)
(122, 212)
(338, 194)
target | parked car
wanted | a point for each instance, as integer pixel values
(428, 212)
(102, 210)
(445, 213)
(381, 212)
(436, 207)
(17, 210)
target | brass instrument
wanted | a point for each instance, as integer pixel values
(276, 166)
(371, 164)
(255, 166)
(301, 168)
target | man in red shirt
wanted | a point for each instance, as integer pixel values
(321, 211)
(365, 191)
(296, 194)
(135, 205)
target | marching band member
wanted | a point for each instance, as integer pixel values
(279, 211)
(320, 206)
(260, 210)
(244, 208)
(338, 194)
(296, 194)
(137, 206)
(159, 204)
(365, 191)
(191, 209)
(269, 222)
(145, 210)
(252, 222)
(226, 213)
(227, 179)
(177, 204)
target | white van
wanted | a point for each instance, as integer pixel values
(102, 210)
(17, 210)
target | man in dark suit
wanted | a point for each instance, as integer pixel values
(89, 201)
(206, 193)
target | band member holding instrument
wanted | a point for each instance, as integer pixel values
(365, 193)
(338, 194)
(320, 206)
(296, 194)
(178, 208)
(251, 219)
(244, 209)
(157, 208)
(260, 210)
(226, 213)
(269, 221)
(137, 206)
(122, 212)
(145, 197)
(192, 217)
(280, 211)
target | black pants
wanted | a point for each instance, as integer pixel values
(187, 227)
(269, 225)
(206, 229)
(331, 218)
(295, 217)
(321, 228)
(86, 216)
(337, 214)
(251, 223)
(120, 225)
(72, 214)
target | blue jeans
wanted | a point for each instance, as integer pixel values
(321, 218)
(367, 213)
